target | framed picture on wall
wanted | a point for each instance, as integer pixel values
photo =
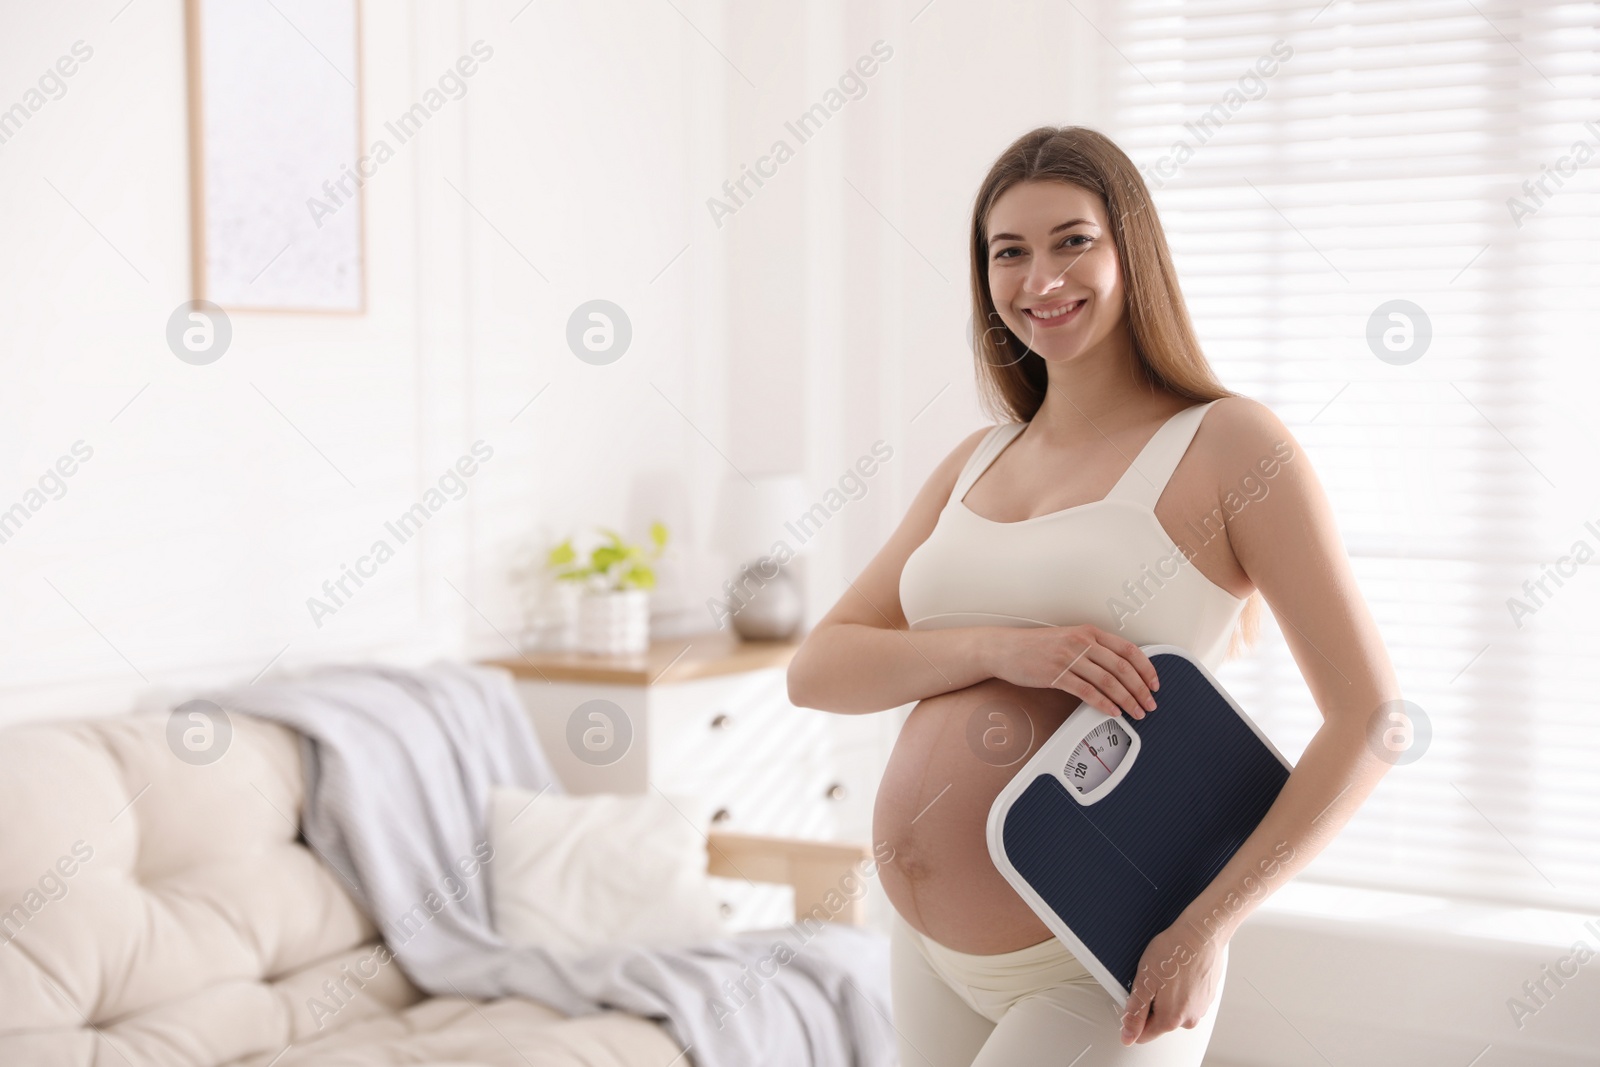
(274, 142)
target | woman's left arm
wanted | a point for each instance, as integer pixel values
(1282, 531)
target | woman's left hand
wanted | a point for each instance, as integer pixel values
(1177, 980)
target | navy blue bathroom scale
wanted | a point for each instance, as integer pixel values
(1115, 825)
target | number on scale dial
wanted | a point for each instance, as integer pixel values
(1097, 755)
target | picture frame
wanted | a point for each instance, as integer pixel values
(277, 207)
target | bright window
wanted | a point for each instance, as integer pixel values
(1312, 165)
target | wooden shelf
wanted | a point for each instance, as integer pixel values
(673, 659)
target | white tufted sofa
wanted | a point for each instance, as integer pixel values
(159, 914)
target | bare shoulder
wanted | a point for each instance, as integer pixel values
(1266, 486)
(969, 444)
(1240, 419)
(941, 481)
(1240, 435)
(949, 468)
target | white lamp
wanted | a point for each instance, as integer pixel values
(755, 524)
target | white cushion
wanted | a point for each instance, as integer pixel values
(155, 913)
(572, 873)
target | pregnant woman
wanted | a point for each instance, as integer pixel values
(1124, 498)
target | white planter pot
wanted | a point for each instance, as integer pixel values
(614, 624)
(550, 618)
(567, 599)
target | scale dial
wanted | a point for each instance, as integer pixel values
(1100, 752)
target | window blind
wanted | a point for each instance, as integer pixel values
(1311, 164)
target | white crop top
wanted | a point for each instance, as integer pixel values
(1108, 562)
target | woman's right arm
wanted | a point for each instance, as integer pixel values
(862, 656)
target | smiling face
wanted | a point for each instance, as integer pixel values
(1053, 270)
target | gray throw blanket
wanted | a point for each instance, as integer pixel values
(399, 765)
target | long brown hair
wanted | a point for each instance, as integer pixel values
(1012, 378)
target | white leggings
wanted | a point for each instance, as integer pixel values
(1035, 1007)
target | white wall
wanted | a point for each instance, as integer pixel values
(1324, 974)
(818, 319)
(184, 550)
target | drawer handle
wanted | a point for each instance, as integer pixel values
(725, 909)
(835, 792)
(721, 721)
(721, 815)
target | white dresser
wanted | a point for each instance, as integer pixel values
(710, 717)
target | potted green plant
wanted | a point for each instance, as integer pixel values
(615, 579)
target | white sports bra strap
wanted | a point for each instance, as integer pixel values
(1143, 482)
(988, 448)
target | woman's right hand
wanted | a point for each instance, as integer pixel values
(1101, 669)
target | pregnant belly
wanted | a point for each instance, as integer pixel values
(954, 755)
